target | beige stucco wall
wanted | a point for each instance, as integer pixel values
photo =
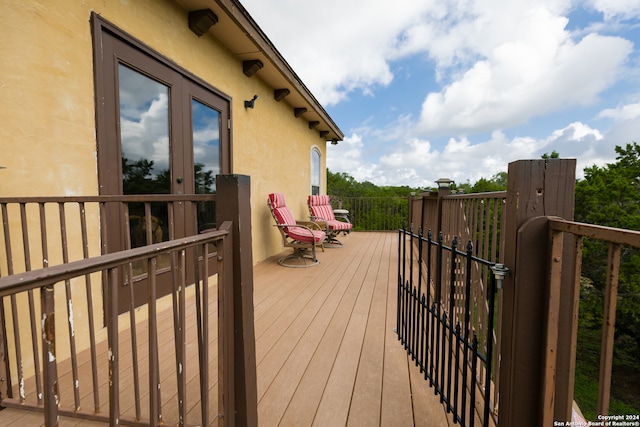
(47, 114)
(47, 91)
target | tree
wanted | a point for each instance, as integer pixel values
(610, 196)
(554, 155)
(384, 206)
(137, 178)
(497, 183)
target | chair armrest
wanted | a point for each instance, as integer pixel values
(308, 224)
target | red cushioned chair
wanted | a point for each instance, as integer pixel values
(322, 213)
(299, 235)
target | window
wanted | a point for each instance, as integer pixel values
(316, 177)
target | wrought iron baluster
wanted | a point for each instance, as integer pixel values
(452, 289)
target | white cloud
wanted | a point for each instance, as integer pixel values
(417, 163)
(497, 65)
(501, 63)
(534, 70)
(340, 45)
(145, 134)
(625, 112)
(625, 9)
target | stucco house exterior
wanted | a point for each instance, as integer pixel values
(108, 97)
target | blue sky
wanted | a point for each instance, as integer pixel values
(460, 88)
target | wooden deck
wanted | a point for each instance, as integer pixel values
(325, 348)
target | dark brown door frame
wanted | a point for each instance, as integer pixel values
(111, 47)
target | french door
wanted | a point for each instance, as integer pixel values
(160, 131)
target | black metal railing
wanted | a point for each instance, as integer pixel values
(436, 321)
(374, 213)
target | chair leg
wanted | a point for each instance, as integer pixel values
(332, 242)
(299, 258)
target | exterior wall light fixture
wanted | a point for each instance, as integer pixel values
(249, 104)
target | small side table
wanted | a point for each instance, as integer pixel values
(341, 213)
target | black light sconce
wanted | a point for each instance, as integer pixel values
(334, 142)
(249, 104)
(252, 66)
(313, 124)
(324, 133)
(299, 111)
(280, 94)
(201, 20)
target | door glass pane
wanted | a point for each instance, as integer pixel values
(144, 133)
(144, 137)
(206, 158)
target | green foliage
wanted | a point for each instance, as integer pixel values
(554, 155)
(496, 183)
(138, 178)
(370, 207)
(586, 375)
(610, 196)
(343, 185)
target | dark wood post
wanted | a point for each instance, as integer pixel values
(412, 203)
(233, 197)
(535, 189)
(444, 189)
(49, 364)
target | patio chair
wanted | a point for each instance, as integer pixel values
(299, 235)
(322, 213)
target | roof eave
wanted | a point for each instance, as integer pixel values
(246, 40)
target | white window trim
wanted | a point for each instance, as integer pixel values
(315, 149)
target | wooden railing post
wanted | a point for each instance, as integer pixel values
(233, 204)
(49, 363)
(535, 188)
(444, 189)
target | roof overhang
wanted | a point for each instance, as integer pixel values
(236, 30)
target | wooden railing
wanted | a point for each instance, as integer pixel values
(117, 354)
(94, 263)
(568, 298)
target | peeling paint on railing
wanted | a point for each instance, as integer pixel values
(71, 326)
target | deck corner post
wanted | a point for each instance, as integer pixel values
(536, 189)
(233, 204)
